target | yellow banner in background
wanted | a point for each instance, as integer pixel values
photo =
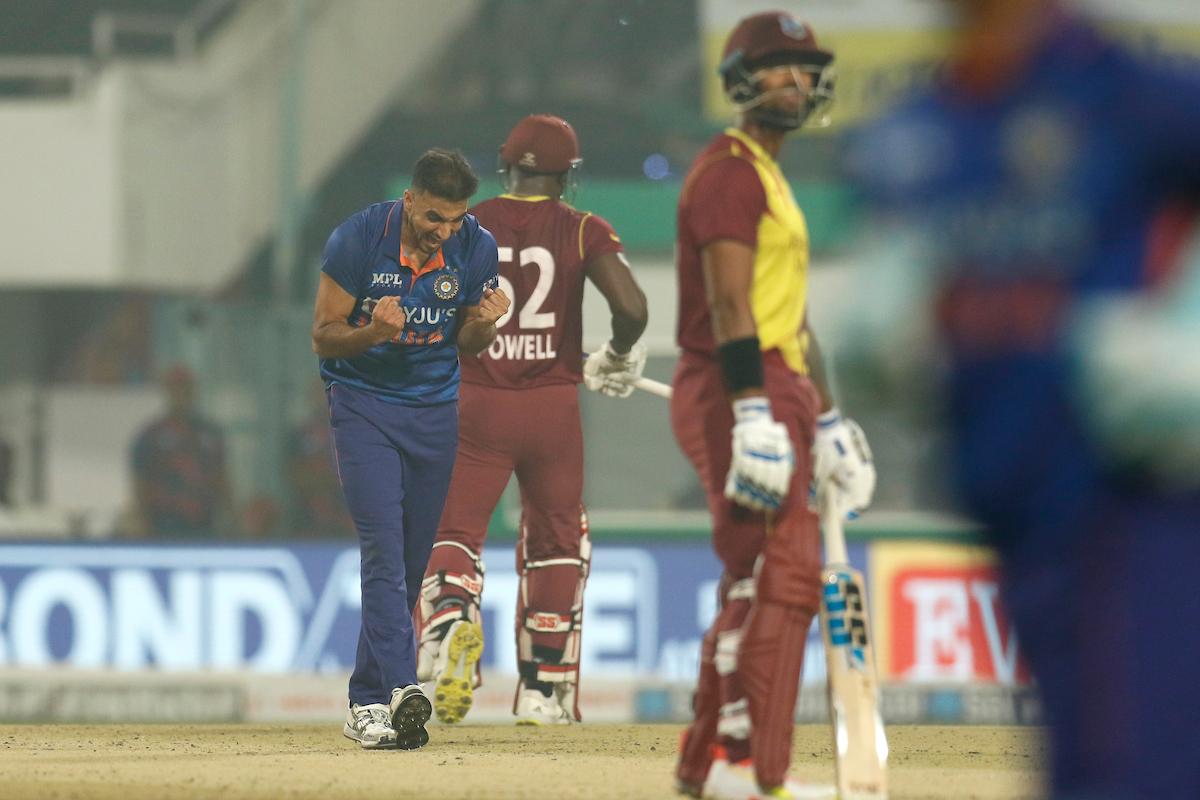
(885, 48)
(1160, 41)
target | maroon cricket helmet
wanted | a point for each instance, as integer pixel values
(542, 143)
(770, 39)
(775, 39)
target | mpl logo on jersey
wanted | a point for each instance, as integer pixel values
(387, 279)
(941, 617)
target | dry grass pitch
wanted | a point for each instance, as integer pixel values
(254, 762)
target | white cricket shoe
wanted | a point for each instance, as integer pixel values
(410, 710)
(736, 781)
(534, 708)
(455, 670)
(370, 726)
(728, 781)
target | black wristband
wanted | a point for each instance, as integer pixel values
(741, 364)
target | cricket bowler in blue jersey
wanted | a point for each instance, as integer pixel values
(404, 287)
(1047, 172)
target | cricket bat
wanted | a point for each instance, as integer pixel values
(654, 387)
(860, 746)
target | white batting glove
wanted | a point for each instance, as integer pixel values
(842, 462)
(610, 373)
(763, 459)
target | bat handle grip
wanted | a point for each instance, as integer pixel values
(831, 528)
(654, 387)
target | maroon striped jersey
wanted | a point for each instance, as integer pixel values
(544, 246)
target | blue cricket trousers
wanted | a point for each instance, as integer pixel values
(394, 463)
(1108, 614)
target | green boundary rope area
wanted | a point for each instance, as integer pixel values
(643, 211)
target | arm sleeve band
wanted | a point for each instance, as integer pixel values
(741, 364)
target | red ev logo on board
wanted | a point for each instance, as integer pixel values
(948, 625)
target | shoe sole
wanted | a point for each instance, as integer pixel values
(382, 744)
(456, 684)
(530, 723)
(409, 720)
(542, 720)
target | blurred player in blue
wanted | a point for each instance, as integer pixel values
(1041, 180)
(404, 287)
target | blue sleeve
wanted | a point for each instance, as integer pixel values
(888, 161)
(484, 267)
(1166, 110)
(344, 258)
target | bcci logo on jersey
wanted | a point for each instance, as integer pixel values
(445, 287)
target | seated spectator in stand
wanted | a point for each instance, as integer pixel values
(178, 461)
(318, 508)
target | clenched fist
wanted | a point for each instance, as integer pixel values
(494, 305)
(612, 373)
(387, 318)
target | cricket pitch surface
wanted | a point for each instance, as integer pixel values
(492, 762)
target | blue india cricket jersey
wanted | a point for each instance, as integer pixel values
(1055, 188)
(363, 257)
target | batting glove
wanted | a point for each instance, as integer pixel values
(608, 372)
(761, 469)
(842, 462)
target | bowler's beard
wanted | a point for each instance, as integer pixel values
(418, 241)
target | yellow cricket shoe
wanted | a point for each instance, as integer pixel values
(455, 671)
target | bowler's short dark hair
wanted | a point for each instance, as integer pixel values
(445, 174)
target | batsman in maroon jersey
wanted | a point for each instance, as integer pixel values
(519, 412)
(753, 413)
